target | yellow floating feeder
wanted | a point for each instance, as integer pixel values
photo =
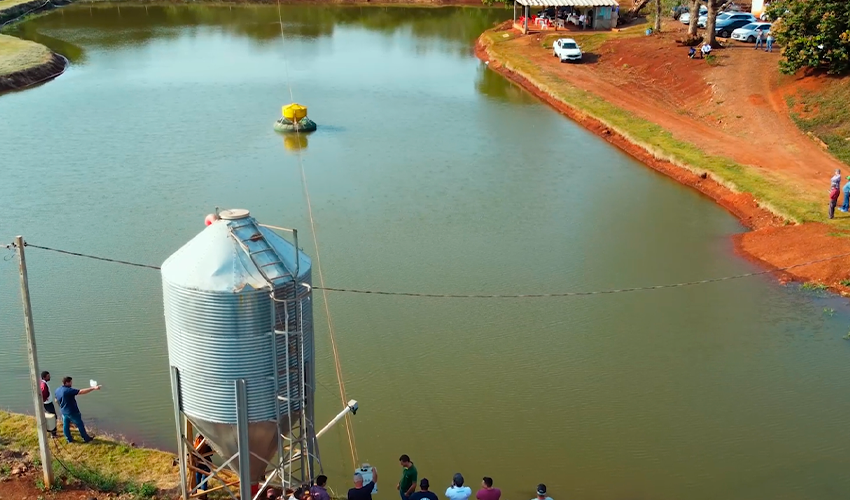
(294, 119)
(294, 112)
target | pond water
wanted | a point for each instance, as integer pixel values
(428, 173)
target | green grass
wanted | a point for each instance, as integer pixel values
(826, 115)
(814, 287)
(106, 464)
(18, 55)
(593, 41)
(8, 4)
(775, 193)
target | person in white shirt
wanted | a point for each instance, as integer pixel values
(706, 50)
(581, 20)
(457, 491)
(541, 493)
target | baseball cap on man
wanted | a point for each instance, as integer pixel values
(424, 484)
(541, 489)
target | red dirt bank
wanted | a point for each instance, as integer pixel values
(649, 77)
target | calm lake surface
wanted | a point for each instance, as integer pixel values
(428, 173)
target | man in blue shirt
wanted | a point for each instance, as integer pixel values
(66, 396)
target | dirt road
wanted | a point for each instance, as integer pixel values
(735, 109)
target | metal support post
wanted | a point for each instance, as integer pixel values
(38, 402)
(178, 420)
(242, 440)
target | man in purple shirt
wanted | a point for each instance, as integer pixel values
(318, 491)
(487, 491)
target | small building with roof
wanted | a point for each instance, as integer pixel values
(554, 15)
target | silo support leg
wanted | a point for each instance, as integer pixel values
(242, 440)
(178, 419)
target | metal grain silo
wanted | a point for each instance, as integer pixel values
(238, 315)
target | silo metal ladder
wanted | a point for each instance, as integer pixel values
(262, 254)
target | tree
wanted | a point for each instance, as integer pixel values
(711, 22)
(692, 27)
(814, 33)
(636, 6)
(657, 15)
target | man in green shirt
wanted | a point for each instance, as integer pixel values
(407, 485)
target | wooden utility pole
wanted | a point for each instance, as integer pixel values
(41, 424)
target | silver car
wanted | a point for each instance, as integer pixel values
(748, 33)
(685, 18)
(727, 16)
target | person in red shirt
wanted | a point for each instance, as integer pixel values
(833, 200)
(487, 491)
(47, 398)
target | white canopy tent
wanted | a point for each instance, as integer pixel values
(602, 13)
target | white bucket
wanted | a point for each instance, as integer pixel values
(51, 421)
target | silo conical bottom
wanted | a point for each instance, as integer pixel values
(262, 441)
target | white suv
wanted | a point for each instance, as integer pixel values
(566, 49)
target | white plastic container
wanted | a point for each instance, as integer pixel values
(51, 421)
(365, 470)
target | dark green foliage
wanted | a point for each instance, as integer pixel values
(814, 33)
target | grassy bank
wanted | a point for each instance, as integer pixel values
(825, 114)
(20, 55)
(106, 464)
(773, 192)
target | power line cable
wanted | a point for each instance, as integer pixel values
(494, 296)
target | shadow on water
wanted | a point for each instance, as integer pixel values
(29, 31)
(140, 24)
(495, 86)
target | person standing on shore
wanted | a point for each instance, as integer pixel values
(846, 205)
(47, 398)
(541, 493)
(363, 491)
(770, 40)
(424, 493)
(457, 491)
(581, 20)
(318, 490)
(66, 396)
(833, 200)
(759, 38)
(202, 448)
(836, 179)
(407, 485)
(487, 491)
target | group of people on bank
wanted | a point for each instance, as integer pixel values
(406, 487)
(66, 397)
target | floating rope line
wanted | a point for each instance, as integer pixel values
(349, 428)
(490, 296)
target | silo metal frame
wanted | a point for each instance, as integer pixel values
(298, 453)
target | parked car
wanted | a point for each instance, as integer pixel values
(686, 16)
(678, 11)
(748, 32)
(703, 19)
(566, 49)
(725, 27)
(725, 17)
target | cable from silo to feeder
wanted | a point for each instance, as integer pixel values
(349, 428)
